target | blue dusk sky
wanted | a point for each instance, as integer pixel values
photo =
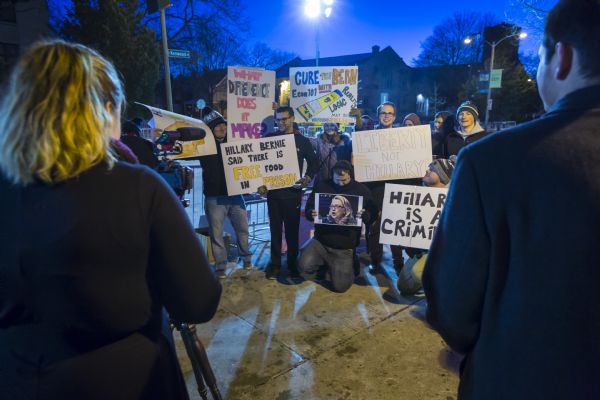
(356, 25)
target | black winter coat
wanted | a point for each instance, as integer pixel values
(513, 275)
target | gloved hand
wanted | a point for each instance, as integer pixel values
(355, 112)
(262, 190)
(303, 182)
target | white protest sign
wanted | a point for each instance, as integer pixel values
(323, 94)
(252, 163)
(395, 153)
(410, 215)
(250, 97)
(181, 136)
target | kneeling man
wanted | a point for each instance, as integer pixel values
(334, 246)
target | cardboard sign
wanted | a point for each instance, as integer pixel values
(323, 94)
(410, 215)
(250, 97)
(179, 136)
(338, 209)
(395, 153)
(249, 164)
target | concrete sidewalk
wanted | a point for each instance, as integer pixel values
(283, 340)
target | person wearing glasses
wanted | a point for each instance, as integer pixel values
(284, 204)
(334, 246)
(340, 212)
(387, 118)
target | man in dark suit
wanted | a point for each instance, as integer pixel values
(513, 276)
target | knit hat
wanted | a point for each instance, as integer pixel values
(212, 118)
(414, 118)
(468, 106)
(330, 126)
(443, 168)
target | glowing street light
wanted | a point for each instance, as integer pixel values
(314, 9)
(469, 40)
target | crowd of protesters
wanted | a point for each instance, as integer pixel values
(98, 253)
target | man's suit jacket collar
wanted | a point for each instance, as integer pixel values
(585, 98)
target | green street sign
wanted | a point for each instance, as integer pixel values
(496, 79)
(179, 53)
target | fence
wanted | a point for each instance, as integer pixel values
(258, 216)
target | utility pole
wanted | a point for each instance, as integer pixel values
(152, 7)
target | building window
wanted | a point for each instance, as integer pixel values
(384, 97)
(7, 11)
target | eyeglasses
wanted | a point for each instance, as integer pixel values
(387, 113)
(335, 206)
(282, 119)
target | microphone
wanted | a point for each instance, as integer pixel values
(188, 133)
(185, 134)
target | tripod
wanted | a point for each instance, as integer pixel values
(199, 359)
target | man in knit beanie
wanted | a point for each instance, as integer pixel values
(411, 119)
(218, 204)
(467, 115)
(439, 172)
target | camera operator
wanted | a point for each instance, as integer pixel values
(217, 204)
(92, 249)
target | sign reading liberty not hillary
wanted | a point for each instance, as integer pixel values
(323, 94)
(252, 163)
(395, 153)
(410, 215)
(181, 136)
(250, 97)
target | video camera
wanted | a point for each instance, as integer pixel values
(168, 139)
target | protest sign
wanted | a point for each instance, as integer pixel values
(181, 136)
(338, 209)
(410, 215)
(323, 94)
(250, 97)
(252, 163)
(395, 153)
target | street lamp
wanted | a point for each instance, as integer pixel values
(469, 40)
(314, 9)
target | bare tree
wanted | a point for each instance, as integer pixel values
(263, 56)
(446, 45)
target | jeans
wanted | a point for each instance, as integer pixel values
(217, 208)
(339, 261)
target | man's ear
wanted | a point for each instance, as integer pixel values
(564, 52)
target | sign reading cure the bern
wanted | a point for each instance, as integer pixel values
(249, 164)
(250, 97)
(410, 215)
(323, 94)
(395, 153)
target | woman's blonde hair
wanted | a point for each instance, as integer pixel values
(54, 119)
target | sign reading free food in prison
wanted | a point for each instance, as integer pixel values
(323, 94)
(249, 164)
(410, 215)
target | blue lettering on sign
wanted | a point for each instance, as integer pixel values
(306, 77)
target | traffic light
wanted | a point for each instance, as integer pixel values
(156, 5)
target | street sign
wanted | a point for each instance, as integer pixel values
(179, 53)
(496, 79)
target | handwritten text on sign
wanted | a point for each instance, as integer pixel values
(321, 94)
(410, 215)
(249, 164)
(250, 97)
(396, 153)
